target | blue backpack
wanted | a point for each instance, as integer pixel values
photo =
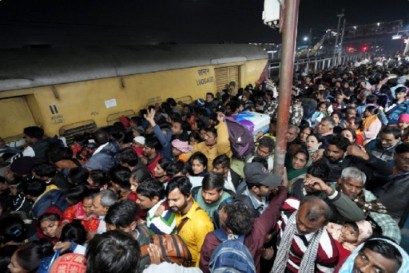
(231, 256)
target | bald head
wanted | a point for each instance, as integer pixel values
(313, 214)
(317, 208)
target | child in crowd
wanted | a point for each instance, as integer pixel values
(194, 138)
(198, 168)
(138, 176)
(337, 118)
(351, 234)
(319, 114)
(160, 173)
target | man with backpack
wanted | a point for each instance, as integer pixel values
(231, 253)
(104, 157)
(237, 220)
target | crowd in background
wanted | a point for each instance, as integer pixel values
(341, 204)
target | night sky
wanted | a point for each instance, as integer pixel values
(90, 22)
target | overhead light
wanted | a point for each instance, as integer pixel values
(397, 37)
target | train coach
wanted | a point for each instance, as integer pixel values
(78, 89)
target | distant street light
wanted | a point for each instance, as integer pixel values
(355, 27)
(305, 38)
(378, 24)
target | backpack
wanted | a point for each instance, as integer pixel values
(236, 198)
(46, 263)
(241, 139)
(51, 198)
(231, 255)
(173, 248)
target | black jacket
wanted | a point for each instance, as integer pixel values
(334, 169)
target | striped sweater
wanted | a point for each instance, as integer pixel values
(163, 224)
(327, 255)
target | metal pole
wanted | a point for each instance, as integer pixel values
(286, 80)
(336, 38)
(308, 53)
(405, 51)
(342, 41)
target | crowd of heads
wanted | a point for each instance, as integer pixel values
(118, 173)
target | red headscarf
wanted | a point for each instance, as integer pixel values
(52, 209)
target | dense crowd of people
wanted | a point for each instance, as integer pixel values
(106, 202)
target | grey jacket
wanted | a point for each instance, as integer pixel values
(105, 159)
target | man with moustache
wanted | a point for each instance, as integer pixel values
(192, 223)
(211, 194)
(384, 147)
(340, 154)
(305, 245)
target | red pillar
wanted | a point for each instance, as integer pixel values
(289, 34)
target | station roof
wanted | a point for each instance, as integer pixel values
(34, 67)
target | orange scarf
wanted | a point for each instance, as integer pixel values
(368, 121)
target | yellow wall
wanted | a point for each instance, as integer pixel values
(79, 101)
(14, 116)
(252, 71)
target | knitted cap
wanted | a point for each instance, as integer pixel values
(403, 118)
(72, 263)
(140, 140)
